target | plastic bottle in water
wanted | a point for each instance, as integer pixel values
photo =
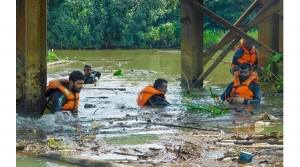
(70, 129)
(96, 125)
(259, 124)
(120, 105)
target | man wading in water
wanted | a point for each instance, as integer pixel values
(154, 95)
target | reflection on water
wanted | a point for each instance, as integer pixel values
(164, 63)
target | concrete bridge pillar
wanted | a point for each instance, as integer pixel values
(31, 48)
(270, 32)
(191, 43)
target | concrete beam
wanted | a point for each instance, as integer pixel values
(228, 25)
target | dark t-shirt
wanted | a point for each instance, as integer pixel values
(157, 100)
(91, 79)
(238, 54)
(55, 102)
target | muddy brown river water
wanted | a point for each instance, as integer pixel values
(152, 136)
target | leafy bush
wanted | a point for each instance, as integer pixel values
(275, 79)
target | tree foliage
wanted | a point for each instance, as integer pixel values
(102, 24)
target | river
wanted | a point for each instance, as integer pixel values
(141, 68)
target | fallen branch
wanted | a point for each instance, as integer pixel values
(67, 150)
(265, 146)
(143, 156)
(250, 142)
(188, 127)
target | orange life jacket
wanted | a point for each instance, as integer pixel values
(242, 90)
(248, 57)
(72, 104)
(146, 93)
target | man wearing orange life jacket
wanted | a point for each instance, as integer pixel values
(244, 89)
(154, 95)
(63, 94)
(245, 53)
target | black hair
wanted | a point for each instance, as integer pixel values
(76, 75)
(244, 66)
(159, 83)
(87, 65)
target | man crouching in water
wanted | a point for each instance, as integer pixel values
(63, 94)
(244, 89)
(154, 95)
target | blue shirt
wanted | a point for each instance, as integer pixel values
(157, 100)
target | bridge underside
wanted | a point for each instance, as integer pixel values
(269, 20)
(31, 46)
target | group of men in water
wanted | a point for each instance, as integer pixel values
(63, 94)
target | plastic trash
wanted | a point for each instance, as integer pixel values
(68, 116)
(259, 124)
(59, 116)
(187, 100)
(96, 125)
(259, 129)
(88, 105)
(120, 105)
(70, 129)
(245, 156)
(46, 122)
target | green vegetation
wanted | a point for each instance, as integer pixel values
(118, 73)
(130, 24)
(212, 36)
(52, 57)
(275, 79)
(214, 110)
(52, 143)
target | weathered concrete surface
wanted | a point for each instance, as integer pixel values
(31, 54)
(270, 32)
(191, 43)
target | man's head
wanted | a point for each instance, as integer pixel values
(244, 71)
(248, 45)
(76, 81)
(87, 70)
(161, 85)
